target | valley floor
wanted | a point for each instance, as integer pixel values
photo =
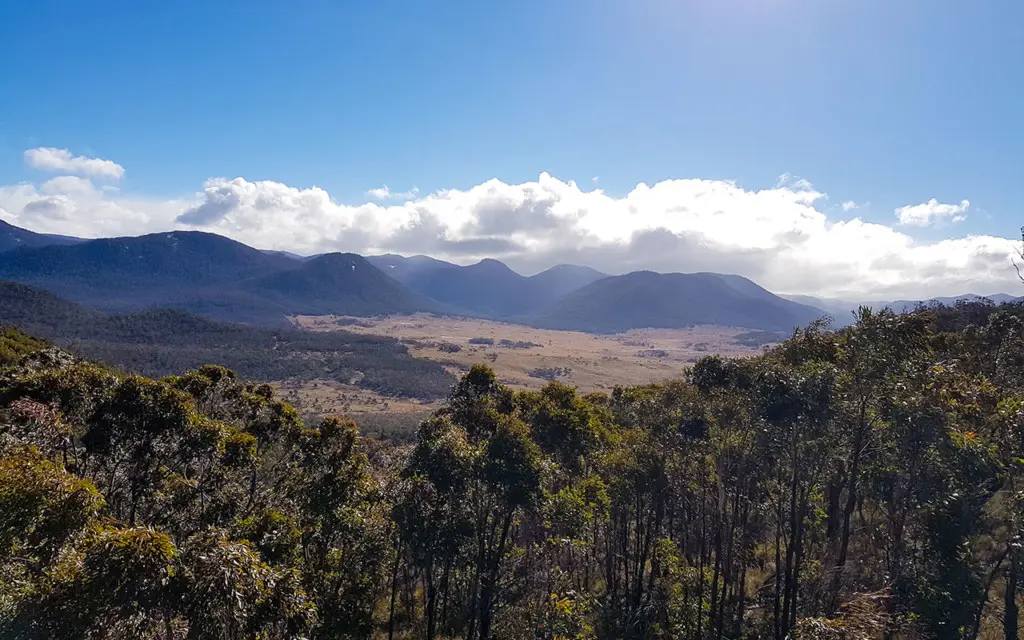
(522, 357)
(529, 357)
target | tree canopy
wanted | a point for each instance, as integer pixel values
(848, 484)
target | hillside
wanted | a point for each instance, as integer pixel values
(159, 342)
(437, 279)
(131, 273)
(404, 269)
(337, 283)
(562, 279)
(12, 237)
(672, 300)
(489, 288)
(211, 275)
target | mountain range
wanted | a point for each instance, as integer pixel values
(489, 287)
(223, 279)
(671, 300)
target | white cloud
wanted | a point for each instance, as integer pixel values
(76, 208)
(926, 213)
(596, 179)
(384, 193)
(850, 205)
(63, 161)
(67, 185)
(789, 180)
(776, 236)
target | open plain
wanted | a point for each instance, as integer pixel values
(526, 357)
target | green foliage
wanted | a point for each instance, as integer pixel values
(127, 511)
(228, 591)
(14, 345)
(116, 584)
(860, 483)
(42, 507)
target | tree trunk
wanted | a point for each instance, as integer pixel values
(797, 564)
(778, 570)
(444, 594)
(168, 624)
(394, 593)
(431, 600)
(489, 584)
(700, 569)
(1011, 619)
(988, 588)
(789, 594)
(727, 571)
(851, 503)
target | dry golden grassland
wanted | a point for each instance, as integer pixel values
(590, 362)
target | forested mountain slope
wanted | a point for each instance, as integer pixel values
(672, 300)
(488, 288)
(208, 274)
(132, 273)
(403, 268)
(217, 277)
(159, 342)
(562, 279)
(12, 237)
(338, 283)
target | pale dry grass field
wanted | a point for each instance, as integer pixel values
(530, 357)
(376, 415)
(332, 397)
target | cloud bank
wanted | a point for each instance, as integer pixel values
(778, 236)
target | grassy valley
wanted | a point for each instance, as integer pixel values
(526, 357)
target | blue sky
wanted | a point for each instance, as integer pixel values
(880, 103)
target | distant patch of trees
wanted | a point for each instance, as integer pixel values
(759, 338)
(653, 353)
(550, 373)
(353, 322)
(517, 344)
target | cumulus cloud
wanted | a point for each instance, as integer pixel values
(780, 236)
(927, 213)
(384, 193)
(850, 205)
(63, 161)
(76, 207)
(68, 185)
